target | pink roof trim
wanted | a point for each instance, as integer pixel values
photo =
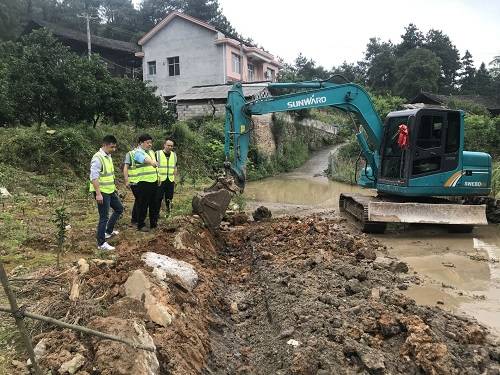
(165, 22)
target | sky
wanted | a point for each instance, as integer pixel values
(334, 31)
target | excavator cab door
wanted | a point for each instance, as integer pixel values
(394, 159)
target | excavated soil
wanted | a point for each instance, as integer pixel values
(282, 296)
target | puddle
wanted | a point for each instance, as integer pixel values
(459, 269)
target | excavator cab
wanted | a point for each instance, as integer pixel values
(434, 155)
(433, 147)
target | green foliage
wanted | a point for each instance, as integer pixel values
(418, 69)
(467, 76)
(42, 81)
(468, 107)
(441, 45)
(495, 180)
(482, 133)
(379, 64)
(387, 103)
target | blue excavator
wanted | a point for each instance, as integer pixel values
(415, 160)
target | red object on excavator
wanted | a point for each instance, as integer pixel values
(403, 137)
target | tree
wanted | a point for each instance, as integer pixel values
(352, 72)
(439, 43)
(306, 69)
(417, 70)
(412, 38)
(483, 81)
(467, 80)
(153, 11)
(34, 77)
(495, 66)
(10, 15)
(379, 65)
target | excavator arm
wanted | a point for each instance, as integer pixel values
(347, 97)
(211, 205)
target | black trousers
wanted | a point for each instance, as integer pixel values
(165, 190)
(146, 201)
(133, 220)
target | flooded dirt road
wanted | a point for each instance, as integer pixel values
(459, 272)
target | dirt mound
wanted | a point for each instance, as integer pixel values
(284, 296)
(305, 297)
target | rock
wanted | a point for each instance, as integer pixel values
(238, 218)
(375, 293)
(140, 288)
(83, 266)
(261, 213)
(372, 359)
(399, 267)
(495, 354)
(4, 193)
(40, 348)
(353, 286)
(73, 365)
(403, 286)
(172, 267)
(234, 308)
(103, 262)
(451, 265)
(293, 342)
(388, 325)
(366, 253)
(267, 255)
(112, 357)
(137, 285)
(158, 313)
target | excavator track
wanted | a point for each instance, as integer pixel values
(373, 213)
(357, 207)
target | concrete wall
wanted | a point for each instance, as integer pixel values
(199, 109)
(201, 60)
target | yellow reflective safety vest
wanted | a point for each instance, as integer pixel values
(106, 175)
(132, 169)
(166, 166)
(146, 172)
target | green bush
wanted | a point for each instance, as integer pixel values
(482, 133)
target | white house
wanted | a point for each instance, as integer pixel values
(181, 52)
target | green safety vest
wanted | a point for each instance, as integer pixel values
(132, 169)
(166, 166)
(106, 175)
(145, 172)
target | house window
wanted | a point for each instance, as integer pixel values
(270, 74)
(152, 68)
(251, 72)
(173, 66)
(236, 63)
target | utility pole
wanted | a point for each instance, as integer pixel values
(87, 17)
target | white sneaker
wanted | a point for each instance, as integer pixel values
(109, 235)
(106, 247)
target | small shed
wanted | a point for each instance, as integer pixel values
(490, 103)
(210, 100)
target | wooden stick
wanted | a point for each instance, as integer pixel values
(14, 310)
(81, 329)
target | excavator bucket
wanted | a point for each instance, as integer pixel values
(212, 204)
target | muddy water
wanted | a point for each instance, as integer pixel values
(460, 272)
